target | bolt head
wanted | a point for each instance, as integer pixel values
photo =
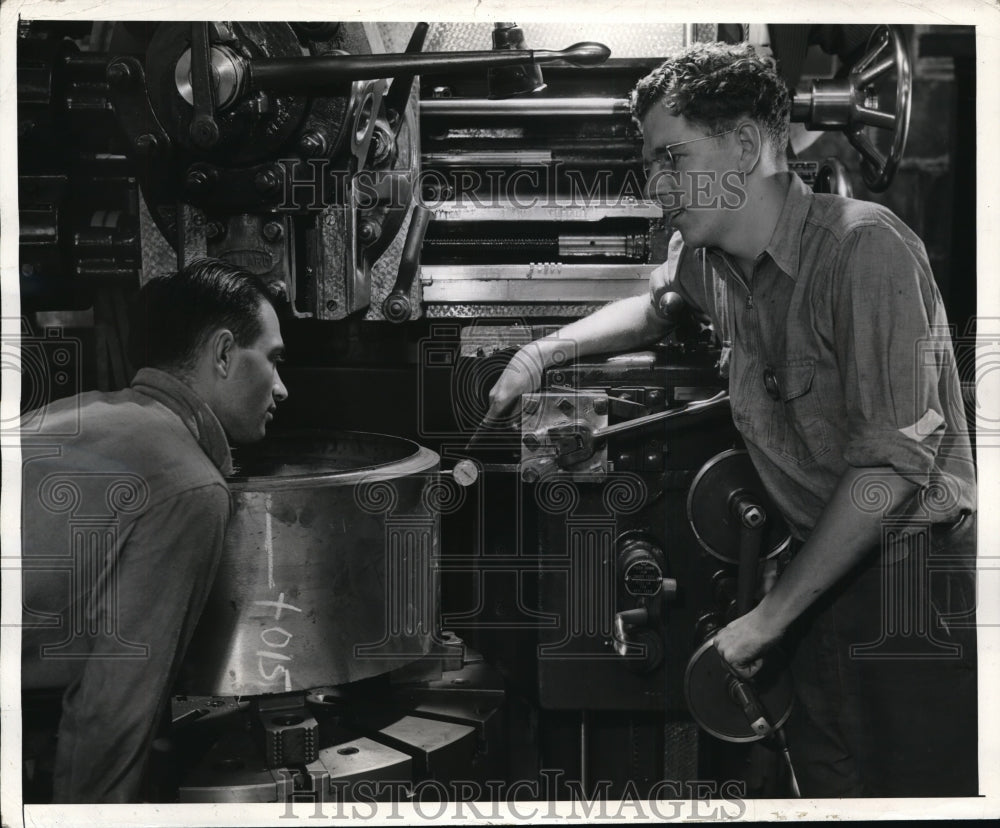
(313, 143)
(272, 231)
(368, 231)
(265, 181)
(600, 407)
(146, 143)
(196, 180)
(118, 73)
(529, 405)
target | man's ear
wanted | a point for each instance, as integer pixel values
(221, 345)
(751, 146)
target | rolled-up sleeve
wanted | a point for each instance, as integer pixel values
(885, 304)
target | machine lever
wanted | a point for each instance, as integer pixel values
(399, 93)
(396, 306)
(577, 442)
(204, 131)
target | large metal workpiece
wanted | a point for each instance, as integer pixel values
(319, 661)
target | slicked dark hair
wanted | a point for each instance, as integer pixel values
(173, 315)
(715, 85)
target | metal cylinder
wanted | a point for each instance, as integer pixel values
(328, 574)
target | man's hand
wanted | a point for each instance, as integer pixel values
(743, 642)
(522, 375)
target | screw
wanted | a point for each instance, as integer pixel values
(530, 475)
(266, 181)
(272, 231)
(196, 180)
(146, 144)
(531, 442)
(313, 143)
(119, 73)
(27, 270)
(215, 230)
(558, 378)
(331, 304)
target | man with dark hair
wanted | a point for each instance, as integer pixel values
(124, 510)
(843, 386)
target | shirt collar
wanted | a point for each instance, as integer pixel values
(787, 237)
(783, 248)
(194, 413)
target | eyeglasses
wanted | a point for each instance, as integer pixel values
(661, 154)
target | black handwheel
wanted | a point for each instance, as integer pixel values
(887, 50)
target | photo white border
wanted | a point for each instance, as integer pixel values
(984, 14)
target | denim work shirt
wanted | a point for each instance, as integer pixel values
(843, 321)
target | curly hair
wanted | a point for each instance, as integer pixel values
(713, 85)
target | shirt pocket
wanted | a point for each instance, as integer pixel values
(797, 430)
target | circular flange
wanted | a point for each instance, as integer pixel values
(714, 524)
(707, 692)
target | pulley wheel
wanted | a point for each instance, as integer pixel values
(710, 513)
(706, 688)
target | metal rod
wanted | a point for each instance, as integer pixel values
(313, 74)
(484, 107)
(584, 752)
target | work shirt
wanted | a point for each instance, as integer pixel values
(838, 354)
(124, 511)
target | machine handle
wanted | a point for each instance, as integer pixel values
(640, 423)
(746, 697)
(577, 441)
(396, 306)
(204, 131)
(399, 93)
(317, 74)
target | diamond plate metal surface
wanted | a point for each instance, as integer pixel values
(507, 311)
(629, 40)
(158, 257)
(386, 268)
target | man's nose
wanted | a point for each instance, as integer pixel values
(279, 392)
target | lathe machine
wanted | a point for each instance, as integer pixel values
(528, 607)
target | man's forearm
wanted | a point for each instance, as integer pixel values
(619, 326)
(843, 537)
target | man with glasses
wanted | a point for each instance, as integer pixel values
(843, 387)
